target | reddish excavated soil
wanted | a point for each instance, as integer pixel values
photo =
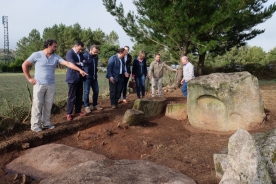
(162, 140)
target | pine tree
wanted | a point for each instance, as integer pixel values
(184, 26)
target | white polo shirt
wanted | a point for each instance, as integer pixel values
(188, 72)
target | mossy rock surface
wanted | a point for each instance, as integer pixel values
(150, 106)
(177, 111)
(225, 102)
(133, 117)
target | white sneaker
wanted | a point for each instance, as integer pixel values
(87, 109)
(50, 126)
(37, 129)
(97, 108)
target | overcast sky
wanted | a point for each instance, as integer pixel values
(25, 15)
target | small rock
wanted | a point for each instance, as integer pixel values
(25, 145)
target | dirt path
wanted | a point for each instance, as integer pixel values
(161, 140)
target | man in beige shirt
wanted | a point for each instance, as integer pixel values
(156, 74)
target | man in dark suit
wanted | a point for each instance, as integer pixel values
(127, 60)
(115, 73)
(75, 81)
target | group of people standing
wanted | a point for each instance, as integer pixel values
(82, 74)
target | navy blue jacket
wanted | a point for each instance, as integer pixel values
(128, 63)
(136, 68)
(90, 65)
(113, 67)
(73, 76)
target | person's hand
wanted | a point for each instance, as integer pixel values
(126, 74)
(112, 80)
(83, 73)
(182, 81)
(32, 81)
(175, 70)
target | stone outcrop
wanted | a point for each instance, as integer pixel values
(221, 162)
(245, 161)
(44, 161)
(119, 172)
(225, 102)
(266, 143)
(133, 117)
(177, 111)
(150, 106)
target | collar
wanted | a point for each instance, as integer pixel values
(75, 51)
(186, 64)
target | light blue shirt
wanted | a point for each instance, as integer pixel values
(45, 67)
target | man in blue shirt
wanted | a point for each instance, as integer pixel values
(115, 74)
(44, 88)
(90, 67)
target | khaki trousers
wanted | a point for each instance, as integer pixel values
(156, 83)
(43, 99)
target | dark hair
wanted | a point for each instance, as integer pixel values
(48, 42)
(157, 54)
(127, 47)
(94, 46)
(79, 43)
(120, 50)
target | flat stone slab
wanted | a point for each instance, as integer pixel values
(150, 106)
(119, 172)
(177, 111)
(44, 161)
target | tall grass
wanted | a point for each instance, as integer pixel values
(14, 91)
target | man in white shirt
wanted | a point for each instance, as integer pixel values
(188, 74)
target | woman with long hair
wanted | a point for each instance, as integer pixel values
(139, 73)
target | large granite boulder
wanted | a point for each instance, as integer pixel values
(119, 172)
(221, 162)
(245, 162)
(177, 111)
(150, 106)
(266, 143)
(44, 161)
(133, 117)
(225, 102)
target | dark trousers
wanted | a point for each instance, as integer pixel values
(115, 90)
(75, 93)
(124, 87)
(140, 85)
(93, 83)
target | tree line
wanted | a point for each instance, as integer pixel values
(66, 36)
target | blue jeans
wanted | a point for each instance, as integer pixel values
(184, 89)
(93, 83)
(140, 83)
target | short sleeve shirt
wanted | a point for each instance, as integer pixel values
(45, 67)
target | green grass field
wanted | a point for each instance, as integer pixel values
(14, 91)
